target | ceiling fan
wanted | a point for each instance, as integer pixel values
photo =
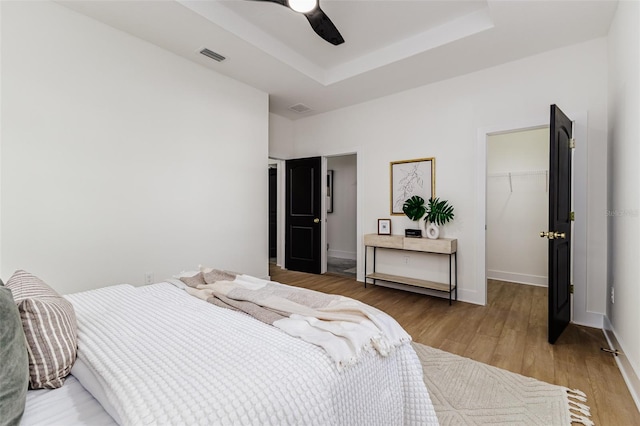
(319, 21)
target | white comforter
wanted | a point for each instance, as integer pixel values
(164, 357)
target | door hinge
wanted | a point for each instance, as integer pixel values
(572, 143)
(572, 216)
(571, 289)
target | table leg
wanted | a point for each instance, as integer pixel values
(450, 290)
(365, 265)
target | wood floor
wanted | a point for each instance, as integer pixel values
(510, 333)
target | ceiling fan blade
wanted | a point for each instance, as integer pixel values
(319, 21)
(323, 26)
(282, 2)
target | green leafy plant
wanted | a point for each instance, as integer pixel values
(414, 207)
(439, 211)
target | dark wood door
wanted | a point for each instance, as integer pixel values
(559, 234)
(303, 215)
(273, 212)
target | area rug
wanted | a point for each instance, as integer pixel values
(467, 392)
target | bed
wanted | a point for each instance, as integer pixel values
(158, 355)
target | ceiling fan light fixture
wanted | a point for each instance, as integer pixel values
(303, 6)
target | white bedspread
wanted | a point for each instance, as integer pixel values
(164, 357)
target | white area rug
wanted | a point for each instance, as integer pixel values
(467, 392)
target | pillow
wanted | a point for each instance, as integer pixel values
(194, 281)
(14, 363)
(89, 380)
(206, 269)
(49, 324)
(217, 275)
(176, 282)
(186, 274)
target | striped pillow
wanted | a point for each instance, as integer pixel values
(49, 324)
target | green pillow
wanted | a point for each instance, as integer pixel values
(14, 363)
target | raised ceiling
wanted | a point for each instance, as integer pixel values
(390, 45)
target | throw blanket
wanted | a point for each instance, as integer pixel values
(342, 326)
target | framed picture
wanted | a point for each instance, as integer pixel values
(384, 226)
(329, 191)
(409, 178)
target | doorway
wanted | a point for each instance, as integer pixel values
(517, 205)
(346, 197)
(341, 207)
(273, 213)
(559, 184)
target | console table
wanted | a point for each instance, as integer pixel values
(441, 246)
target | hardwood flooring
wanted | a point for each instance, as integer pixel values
(510, 333)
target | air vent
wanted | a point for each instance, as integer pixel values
(213, 55)
(299, 108)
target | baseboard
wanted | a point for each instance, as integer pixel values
(589, 320)
(586, 318)
(514, 277)
(628, 373)
(341, 254)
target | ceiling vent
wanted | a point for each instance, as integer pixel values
(300, 108)
(213, 55)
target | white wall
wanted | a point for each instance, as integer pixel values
(623, 209)
(517, 206)
(341, 224)
(280, 137)
(443, 119)
(120, 158)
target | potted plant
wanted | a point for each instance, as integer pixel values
(415, 209)
(438, 213)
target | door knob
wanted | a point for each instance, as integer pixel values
(553, 235)
(316, 220)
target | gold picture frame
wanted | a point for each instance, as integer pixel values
(409, 178)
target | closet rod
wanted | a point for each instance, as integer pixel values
(512, 175)
(518, 174)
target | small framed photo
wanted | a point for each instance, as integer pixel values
(384, 226)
